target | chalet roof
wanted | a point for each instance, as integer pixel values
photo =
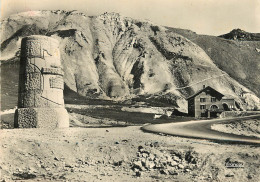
(206, 88)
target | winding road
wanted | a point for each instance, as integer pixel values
(202, 130)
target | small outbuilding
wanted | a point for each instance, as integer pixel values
(209, 102)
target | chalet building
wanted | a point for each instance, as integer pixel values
(208, 102)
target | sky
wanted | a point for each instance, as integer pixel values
(211, 17)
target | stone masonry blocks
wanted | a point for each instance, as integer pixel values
(41, 118)
(41, 84)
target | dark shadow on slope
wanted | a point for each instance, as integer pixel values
(64, 33)
(137, 71)
(72, 97)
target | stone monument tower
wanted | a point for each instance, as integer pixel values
(40, 100)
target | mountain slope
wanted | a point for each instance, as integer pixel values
(119, 57)
(240, 59)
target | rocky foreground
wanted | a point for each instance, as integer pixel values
(120, 154)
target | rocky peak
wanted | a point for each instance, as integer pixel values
(238, 34)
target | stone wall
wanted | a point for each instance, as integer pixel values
(231, 114)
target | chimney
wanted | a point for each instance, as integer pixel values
(204, 86)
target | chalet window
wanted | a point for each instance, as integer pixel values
(213, 99)
(202, 99)
(202, 107)
(214, 107)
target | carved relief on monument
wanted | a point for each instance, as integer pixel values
(41, 82)
(57, 82)
(53, 71)
(33, 49)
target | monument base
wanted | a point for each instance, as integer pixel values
(41, 118)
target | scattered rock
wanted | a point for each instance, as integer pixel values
(137, 164)
(230, 174)
(164, 171)
(31, 170)
(175, 158)
(68, 165)
(180, 166)
(158, 165)
(138, 173)
(55, 158)
(140, 148)
(139, 154)
(186, 170)
(25, 175)
(145, 155)
(173, 163)
(118, 163)
(149, 164)
(172, 172)
(152, 157)
(190, 158)
(249, 176)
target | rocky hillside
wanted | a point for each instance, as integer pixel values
(238, 34)
(240, 59)
(111, 56)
